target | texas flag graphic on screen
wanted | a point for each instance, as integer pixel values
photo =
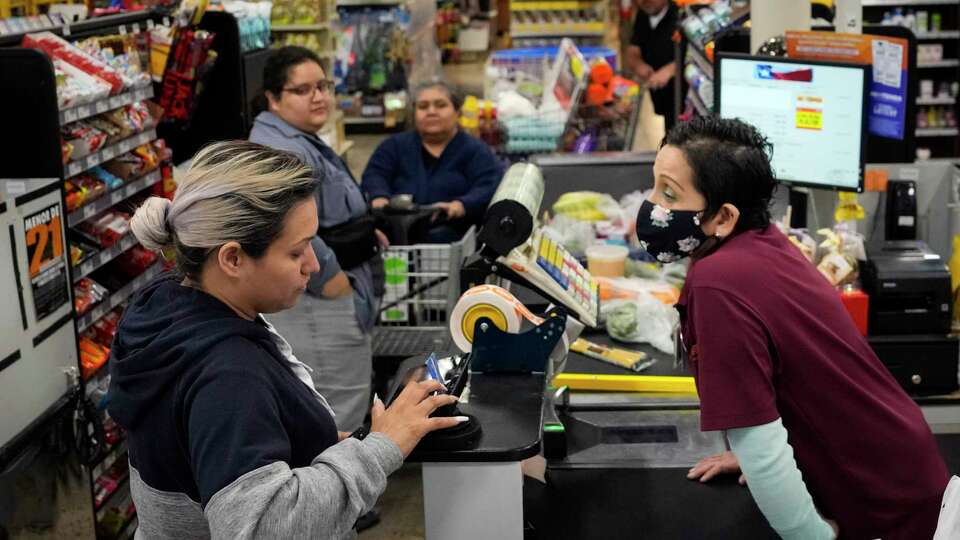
(768, 72)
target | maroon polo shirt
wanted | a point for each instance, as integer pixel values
(769, 338)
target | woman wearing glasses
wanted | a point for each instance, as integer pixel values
(824, 436)
(330, 327)
(437, 163)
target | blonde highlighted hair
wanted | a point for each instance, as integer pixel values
(233, 191)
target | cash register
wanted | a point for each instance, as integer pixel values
(909, 288)
(910, 315)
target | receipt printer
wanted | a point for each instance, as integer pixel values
(909, 288)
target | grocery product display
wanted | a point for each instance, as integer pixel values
(111, 159)
(937, 29)
(371, 63)
(537, 24)
(700, 26)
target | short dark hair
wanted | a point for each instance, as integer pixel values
(276, 71)
(731, 164)
(452, 93)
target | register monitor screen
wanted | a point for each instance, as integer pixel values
(813, 113)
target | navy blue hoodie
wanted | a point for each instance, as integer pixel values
(206, 394)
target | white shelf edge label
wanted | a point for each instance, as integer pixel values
(89, 211)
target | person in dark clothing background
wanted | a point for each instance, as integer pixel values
(650, 56)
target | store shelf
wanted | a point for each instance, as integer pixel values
(700, 58)
(126, 527)
(945, 34)
(937, 132)
(363, 120)
(110, 456)
(118, 195)
(559, 30)
(898, 3)
(119, 487)
(76, 167)
(300, 27)
(698, 103)
(552, 6)
(355, 3)
(118, 297)
(80, 112)
(951, 62)
(948, 100)
(105, 256)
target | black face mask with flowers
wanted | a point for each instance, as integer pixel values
(669, 235)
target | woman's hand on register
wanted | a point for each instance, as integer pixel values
(711, 466)
(379, 203)
(408, 418)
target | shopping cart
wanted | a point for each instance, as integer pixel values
(422, 286)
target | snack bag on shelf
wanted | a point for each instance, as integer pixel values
(86, 294)
(135, 261)
(104, 176)
(106, 327)
(75, 87)
(108, 229)
(108, 128)
(91, 188)
(92, 356)
(84, 138)
(57, 47)
(838, 267)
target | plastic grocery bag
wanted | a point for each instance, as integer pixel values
(573, 234)
(588, 206)
(643, 320)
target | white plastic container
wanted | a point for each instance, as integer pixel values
(607, 260)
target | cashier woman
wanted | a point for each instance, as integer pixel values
(827, 441)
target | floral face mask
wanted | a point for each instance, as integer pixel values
(669, 235)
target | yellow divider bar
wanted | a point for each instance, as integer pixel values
(626, 383)
(551, 6)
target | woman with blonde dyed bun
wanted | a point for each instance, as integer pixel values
(227, 436)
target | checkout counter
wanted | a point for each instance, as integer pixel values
(616, 461)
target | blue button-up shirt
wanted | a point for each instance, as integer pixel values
(338, 200)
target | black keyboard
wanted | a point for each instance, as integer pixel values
(404, 341)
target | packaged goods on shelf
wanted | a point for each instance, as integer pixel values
(373, 52)
(88, 293)
(56, 47)
(253, 20)
(127, 54)
(108, 228)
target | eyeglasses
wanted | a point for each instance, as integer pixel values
(304, 90)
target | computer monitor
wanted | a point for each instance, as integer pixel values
(813, 112)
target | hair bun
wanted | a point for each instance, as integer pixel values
(149, 224)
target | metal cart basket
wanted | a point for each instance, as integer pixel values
(422, 286)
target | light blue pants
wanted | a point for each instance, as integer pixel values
(325, 335)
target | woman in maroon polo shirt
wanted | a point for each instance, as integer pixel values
(826, 437)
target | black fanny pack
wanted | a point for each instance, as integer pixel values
(354, 242)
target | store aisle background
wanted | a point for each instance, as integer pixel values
(401, 505)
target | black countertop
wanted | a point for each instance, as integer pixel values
(510, 411)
